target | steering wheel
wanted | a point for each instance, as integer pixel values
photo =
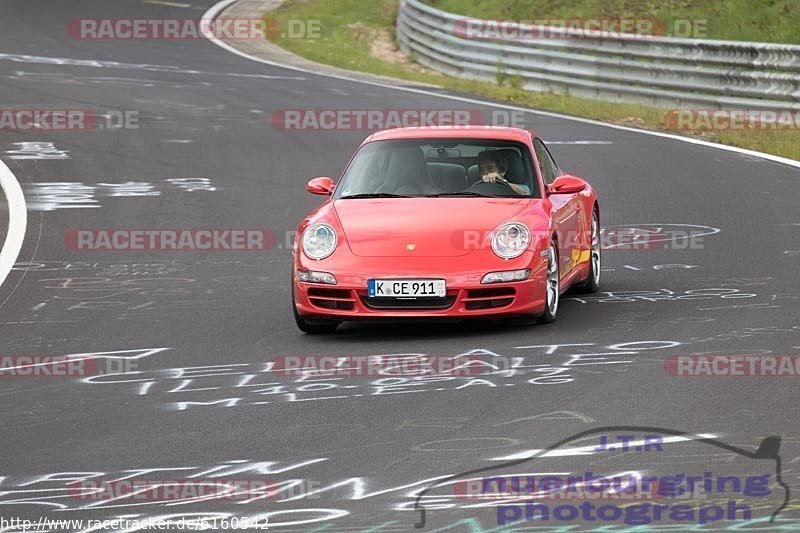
(497, 182)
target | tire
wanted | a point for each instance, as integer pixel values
(592, 281)
(553, 286)
(312, 326)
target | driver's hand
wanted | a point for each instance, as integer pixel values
(491, 177)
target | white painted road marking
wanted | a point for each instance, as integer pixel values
(164, 3)
(579, 142)
(65, 61)
(37, 150)
(17, 221)
(145, 352)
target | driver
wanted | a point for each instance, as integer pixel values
(493, 169)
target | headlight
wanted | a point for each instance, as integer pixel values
(319, 241)
(511, 240)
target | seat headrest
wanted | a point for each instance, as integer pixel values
(448, 176)
(408, 169)
(514, 164)
(473, 174)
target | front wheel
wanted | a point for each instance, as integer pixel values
(553, 286)
(312, 326)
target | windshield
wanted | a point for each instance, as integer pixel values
(439, 167)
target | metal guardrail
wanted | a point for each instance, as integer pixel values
(659, 71)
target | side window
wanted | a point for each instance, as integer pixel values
(547, 166)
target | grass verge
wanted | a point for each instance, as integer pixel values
(767, 21)
(359, 35)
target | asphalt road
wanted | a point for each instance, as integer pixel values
(195, 330)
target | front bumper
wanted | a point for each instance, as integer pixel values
(466, 296)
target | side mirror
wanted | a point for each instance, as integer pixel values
(323, 185)
(566, 185)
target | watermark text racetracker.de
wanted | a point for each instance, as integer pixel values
(63, 366)
(587, 486)
(627, 239)
(733, 365)
(577, 28)
(380, 119)
(67, 119)
(244, 490)
(213, 239)
(732, 120)
(230, 29)
(385, 365)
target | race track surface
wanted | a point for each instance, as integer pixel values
(196, 330)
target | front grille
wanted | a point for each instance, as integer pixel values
(331, 298)
(430, 302)
(490, 298)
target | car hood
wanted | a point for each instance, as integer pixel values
(424, 227)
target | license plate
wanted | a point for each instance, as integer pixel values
(405, 288)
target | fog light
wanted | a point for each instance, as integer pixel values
(506, 275)
(311, 276)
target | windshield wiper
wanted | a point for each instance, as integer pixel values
(375, 195)
(461, 193)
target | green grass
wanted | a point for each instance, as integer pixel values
(775, 21)
(349, 28)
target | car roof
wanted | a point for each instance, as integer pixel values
(438, 132)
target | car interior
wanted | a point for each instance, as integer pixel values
(460, 173)
(410, 169)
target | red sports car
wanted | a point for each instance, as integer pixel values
(445, 222)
